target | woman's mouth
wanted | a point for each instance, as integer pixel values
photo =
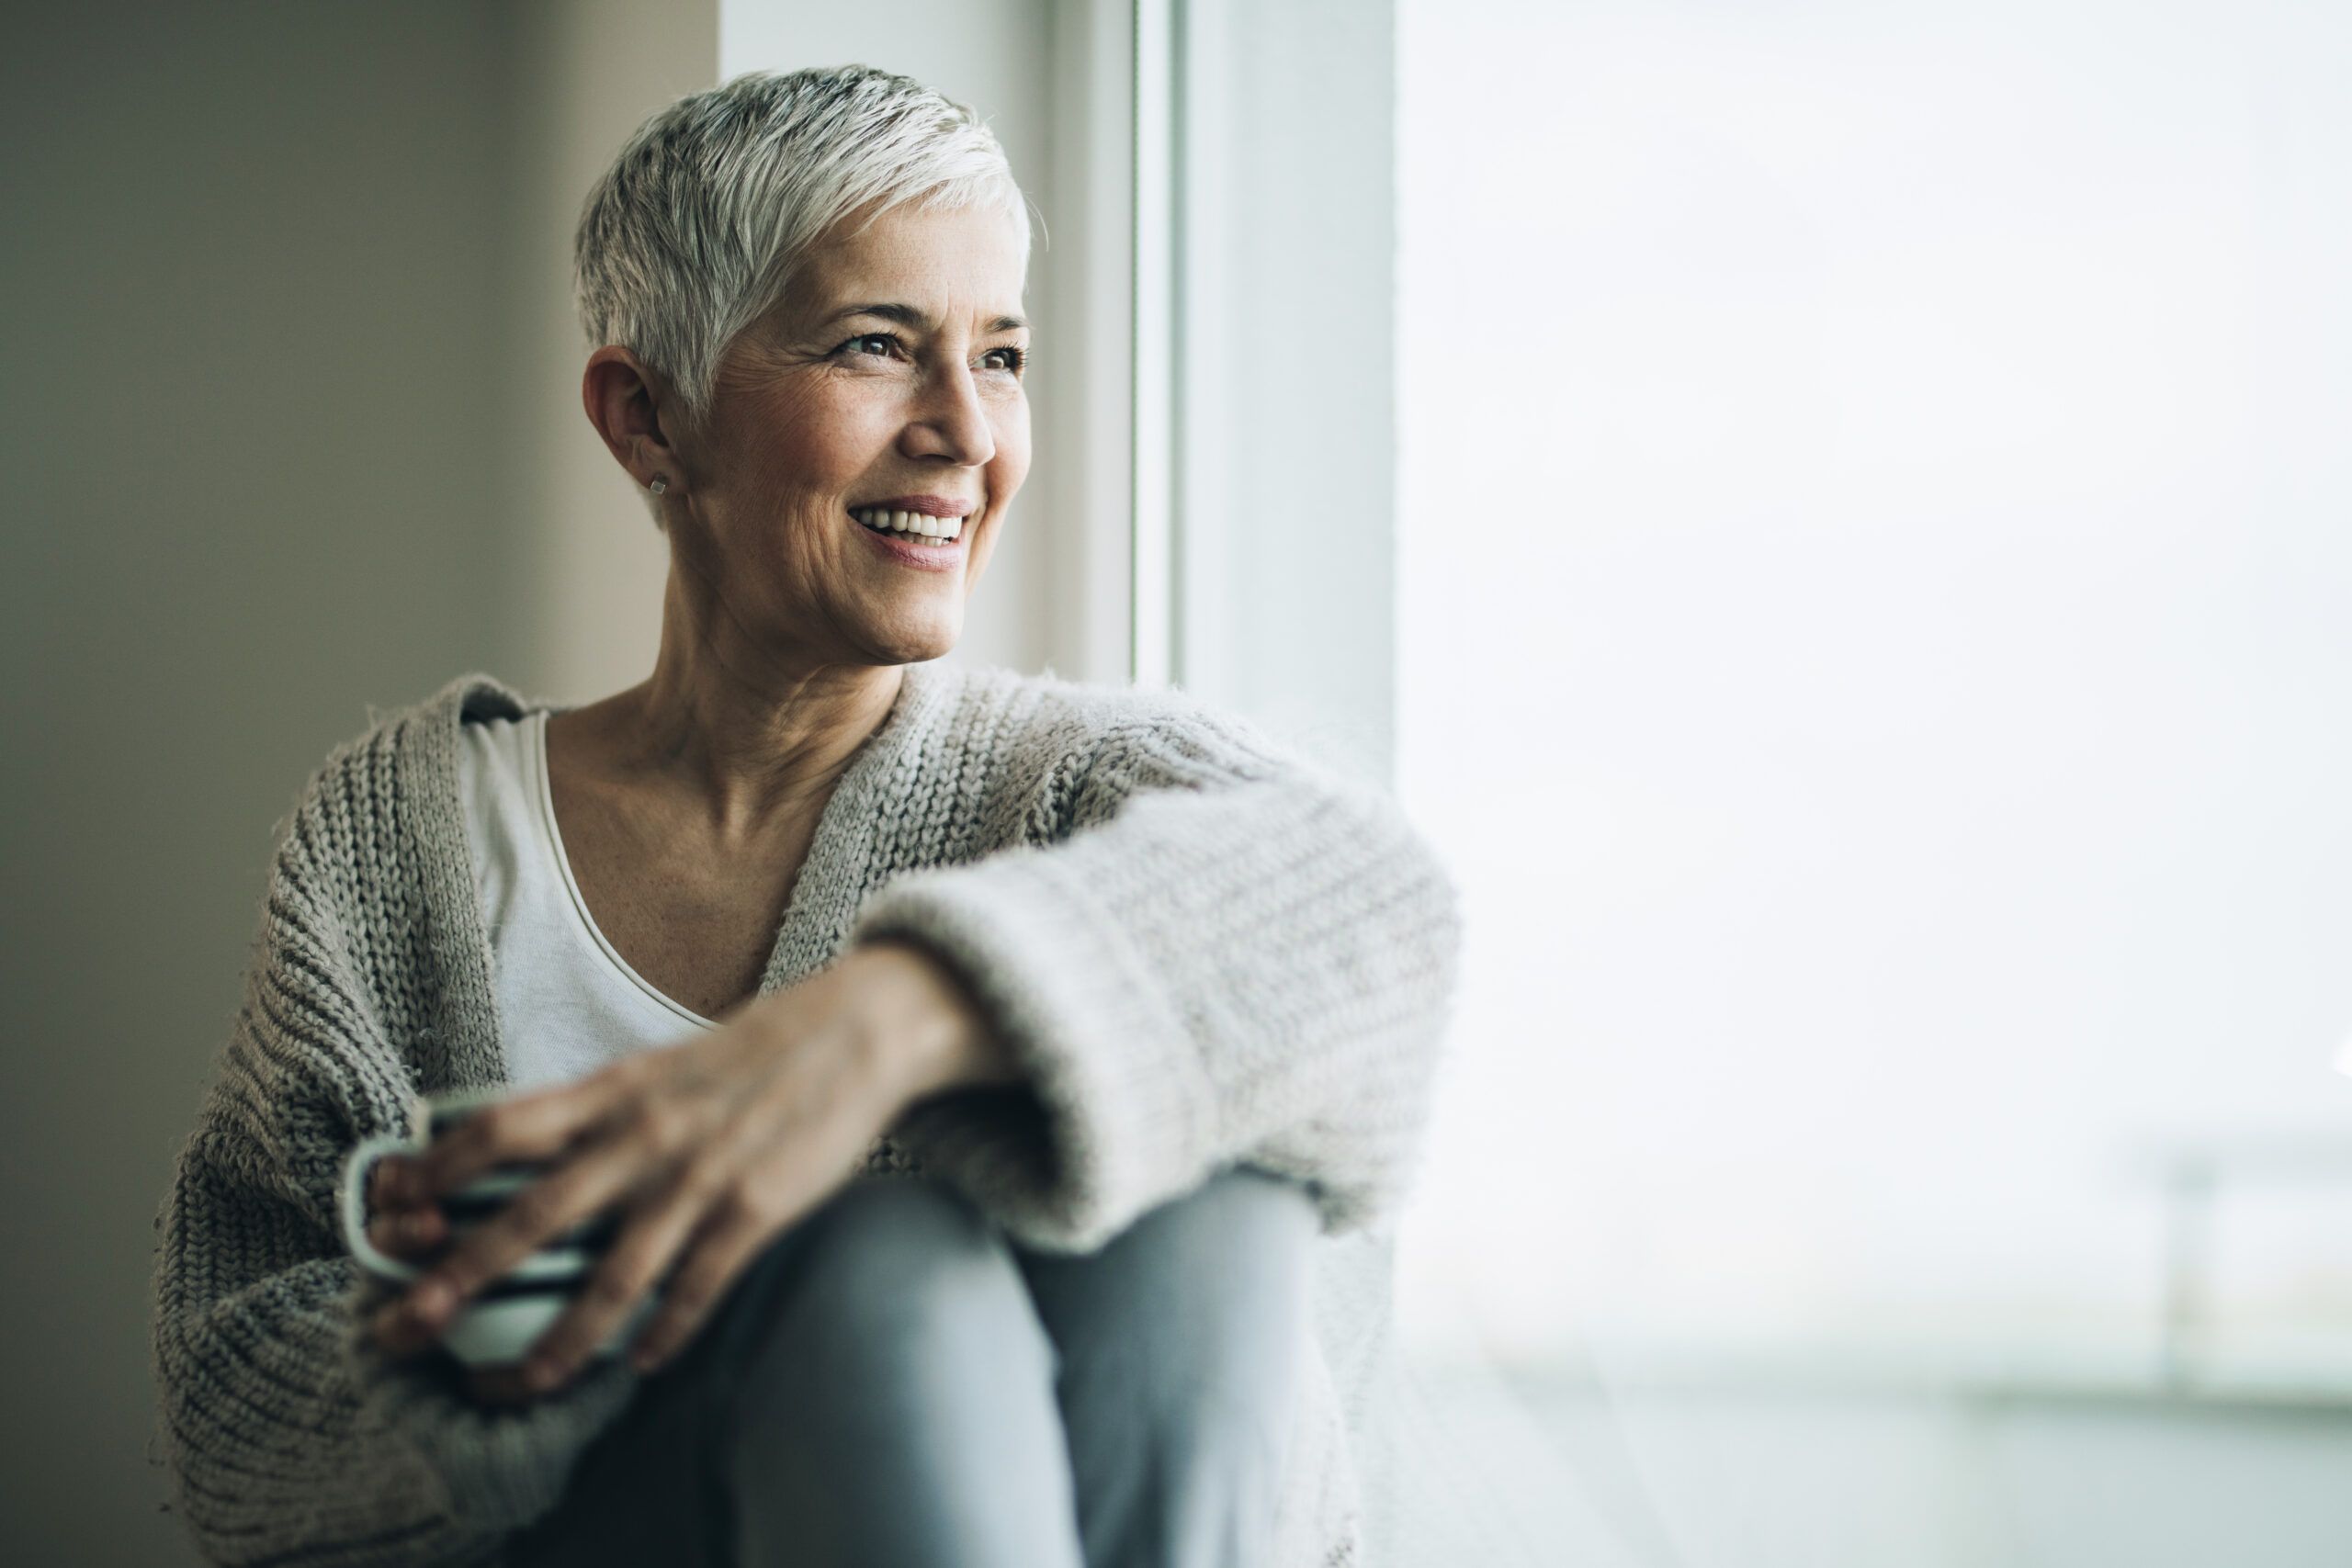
(911, 526)
(900, 537)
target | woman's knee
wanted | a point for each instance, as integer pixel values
(1243, 1208)
(888, 1288)
(1201, 1306)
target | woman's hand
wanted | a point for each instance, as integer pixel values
(711, 1148)
(416, 1232)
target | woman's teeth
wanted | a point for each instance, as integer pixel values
(936, 530)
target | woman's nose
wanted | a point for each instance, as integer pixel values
(952, 423)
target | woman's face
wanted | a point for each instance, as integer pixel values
(894, 369)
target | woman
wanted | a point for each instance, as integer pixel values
(1015, 1198)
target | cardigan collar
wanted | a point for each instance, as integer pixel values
(461, 1048)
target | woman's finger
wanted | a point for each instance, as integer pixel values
(409, 1234)
(733, 1235)
(643, 1253)
(537, 1214)
(395, 1333)
(389, 1182)
(501, 1384)
(526, 1128)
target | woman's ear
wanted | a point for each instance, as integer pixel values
(626, 402)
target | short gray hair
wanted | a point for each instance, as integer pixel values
(697, 230)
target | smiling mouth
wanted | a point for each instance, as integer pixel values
(913, 525)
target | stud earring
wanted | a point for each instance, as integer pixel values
(661, 482)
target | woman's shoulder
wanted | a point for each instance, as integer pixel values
(1103, 740)
(394, 766)
(1060, 711)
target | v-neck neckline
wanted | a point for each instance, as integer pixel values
(543, 801)
(463, 1047)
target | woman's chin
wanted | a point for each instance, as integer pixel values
(915, 640)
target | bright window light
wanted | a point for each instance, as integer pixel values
(1875, 639)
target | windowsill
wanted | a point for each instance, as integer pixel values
(2288, 1369)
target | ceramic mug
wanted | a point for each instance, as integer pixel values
(499, 1322)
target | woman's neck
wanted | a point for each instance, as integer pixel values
(749, 752)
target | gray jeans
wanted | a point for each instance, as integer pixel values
(894, 1384)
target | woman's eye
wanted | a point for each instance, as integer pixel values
(1008, 358)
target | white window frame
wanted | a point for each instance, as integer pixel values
(1256, 480)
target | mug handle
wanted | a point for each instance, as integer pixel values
(355, 1166)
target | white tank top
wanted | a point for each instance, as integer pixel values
(567, 1003)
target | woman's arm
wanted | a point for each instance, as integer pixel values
(289, 1438)
(954, 1046)
(1233, 957)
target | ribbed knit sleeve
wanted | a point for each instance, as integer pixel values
(288, 1443)
(1234, 956)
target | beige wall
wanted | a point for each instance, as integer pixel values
(277, 448)
(592, 70)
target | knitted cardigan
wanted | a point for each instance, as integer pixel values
(1201, 949)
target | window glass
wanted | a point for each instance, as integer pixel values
(1874, 637)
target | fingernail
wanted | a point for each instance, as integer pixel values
(432, 1301)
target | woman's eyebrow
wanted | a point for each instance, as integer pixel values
(908, 316)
